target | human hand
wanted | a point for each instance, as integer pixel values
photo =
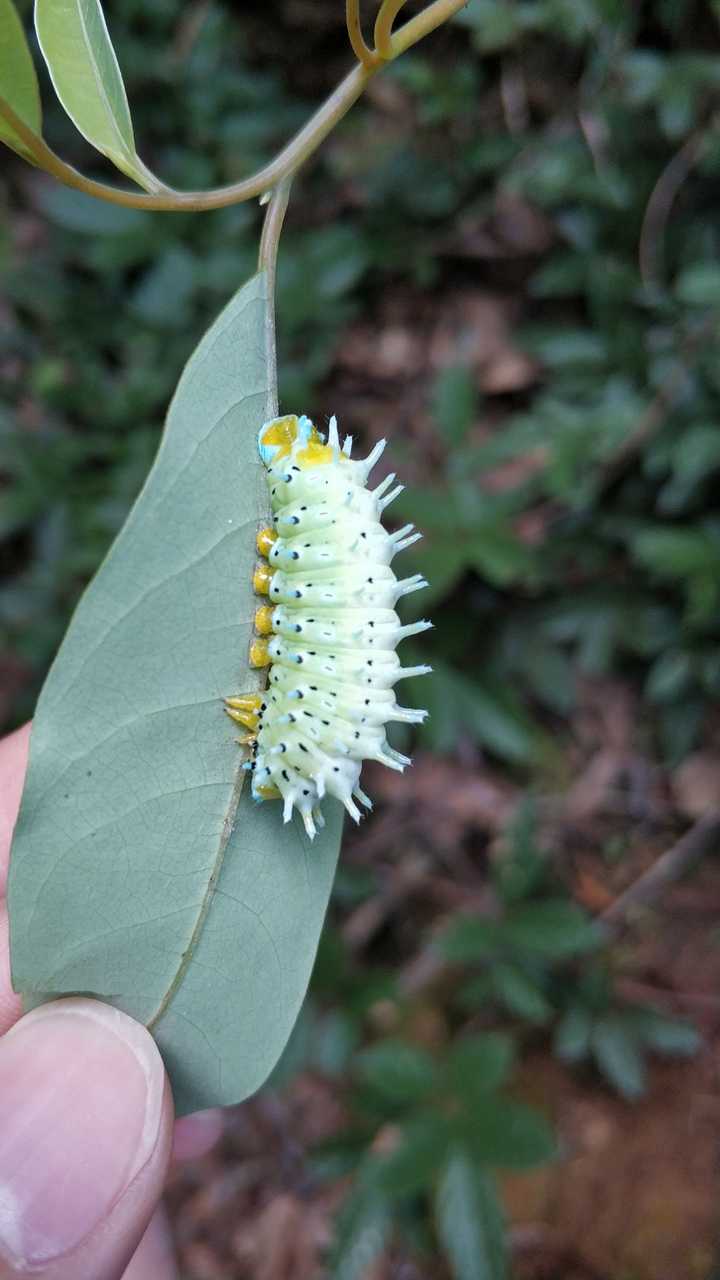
(86, 1121)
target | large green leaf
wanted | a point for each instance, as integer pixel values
(136, 874)
(18, 81)
(470, 1220)
(74, 40)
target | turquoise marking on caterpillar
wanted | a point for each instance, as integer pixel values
(330, 621)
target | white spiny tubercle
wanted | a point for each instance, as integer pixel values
(331, 625)
(408, 715)
(404, 543)
(394, 493)
(374, 456)
(399, 534)
(384, 485)
(414, 628)
(408, 585)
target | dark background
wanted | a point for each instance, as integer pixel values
(507, 261)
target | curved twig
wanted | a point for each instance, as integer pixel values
(287, 162)
(701, 839)
(272, 226)
(657, 210)
(267, 261)
(389, 10)
(364, 55)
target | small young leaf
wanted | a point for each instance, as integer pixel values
(479, 1064)
(361, 1230)
(397, 1071)
(469, 938)
(665, 1035)
(454, 403)
(476, 993)
(699, 285)
(18, 81)
(520, 994)
(470, 1220)
(508, 1134)
(616, 1051)
(572, 1034)
(75, 43)
(552, 927)
(164, 294)
(136, 874)
(412, 1165)
(84, 215)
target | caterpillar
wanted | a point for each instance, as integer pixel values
(329, 629)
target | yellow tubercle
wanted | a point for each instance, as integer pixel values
(245, 702)
(267, 793)
(263, 620)
(244, 718)
(315, 452)
(241, 717)
(264, 541)
(262, 577)
(259, 656)
(245, 709)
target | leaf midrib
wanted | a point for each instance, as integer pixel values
(208, 895)
(271, 409)
(128, 153)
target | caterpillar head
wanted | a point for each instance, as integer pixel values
(295, 438)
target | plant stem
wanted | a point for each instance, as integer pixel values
(364, 55)
(285, 163)
(267, 262)
(423, 23)
(389, 11)
(272, 226)
(701, 839)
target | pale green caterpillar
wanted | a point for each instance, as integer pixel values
(331, 615)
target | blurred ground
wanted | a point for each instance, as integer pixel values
(635, 1192)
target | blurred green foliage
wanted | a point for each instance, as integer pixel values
(601, 117)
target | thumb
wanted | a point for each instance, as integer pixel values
(85, 1134)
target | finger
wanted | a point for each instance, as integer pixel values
(13, 763)
(10, 1004)
(195, 1135)
(85, 1137)
(154, 1259)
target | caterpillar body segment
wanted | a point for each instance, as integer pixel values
(326, 627)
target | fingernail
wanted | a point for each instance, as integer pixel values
(81, 1090)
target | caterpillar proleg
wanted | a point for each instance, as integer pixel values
(329, 629)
